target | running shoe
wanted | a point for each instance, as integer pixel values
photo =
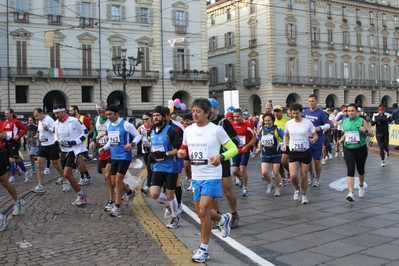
(109, 206)
(3, 220)
(234, 221)
(32, 171)
(173, 223)
(283, 182)
(330, 156)
(39, 189)
(269, 189)
(305, 199)
(296, 194)
(311, 179)
(200, 255)
(168, 212)
(12, 179)
(47, 171)
(18, 170)
(80, 200)
(190, 187)
(83, 182)
(28, 176)
(145, 190)
(323, 161)
(382, 163)
(240, 183)
(387, 155)
(115, 212)
(350, 197)
(245, 192)
(336, 154)
(18, 207)
(361, 191)
(277, 192)
(130, 197)
(316, 183)
(66, 186)
(59, 181)
(237, 181)
(225, 227)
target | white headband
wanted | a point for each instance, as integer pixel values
(59, 110)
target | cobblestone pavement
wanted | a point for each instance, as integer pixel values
(328, 231)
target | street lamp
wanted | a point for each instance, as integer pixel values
(119, 65)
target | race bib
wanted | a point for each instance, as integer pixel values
(298, 144)
(114, 138)
(64, 142)
(199, 154)
(242, 141)
(103, 140)
(158, 148)
(267, 140)
(43, 138)
(352, 137)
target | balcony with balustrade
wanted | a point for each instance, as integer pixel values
(252, 82)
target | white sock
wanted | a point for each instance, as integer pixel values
(162, 198)
(174, 206)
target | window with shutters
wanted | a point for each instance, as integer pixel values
(358, 38)
(145, 59)
(22, 60)
(343, 14)
(289, 5)
(230, 76)
(292, 67)
(20, 5)
(385, 72)
(116, 51)
(212, 19)
(180, 17)
(214, 75)
(315, 37)
(328, 11)
(330, 36)
(86, 59)
(395, 43)
(253, 68)
(346, 40)
(345, 70)
(213, 43)
(384, 20)
(359, 70)
(228, 14)
(229, 39)
(331, 68)
(54, 7)
(384, 42)
(252, 7)
(291, 33)
(371, 18)
(115, 13)
(85, 9)
(180, 21)
(373, 73)
(55, 56)
(144, 17)
(181, 59)
(315, 66)
(357, 14)
(312, 8)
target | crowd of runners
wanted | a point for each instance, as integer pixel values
(212, 149)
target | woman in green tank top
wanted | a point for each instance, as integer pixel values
(355, 149)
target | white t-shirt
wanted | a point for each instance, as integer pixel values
(46, 136)
(203, 143)
(299, 134)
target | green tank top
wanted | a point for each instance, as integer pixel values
(354, 137)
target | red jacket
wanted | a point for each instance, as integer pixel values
(14, 127)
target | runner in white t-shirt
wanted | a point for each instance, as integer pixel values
(297, 132)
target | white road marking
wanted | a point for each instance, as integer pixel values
(231, 242)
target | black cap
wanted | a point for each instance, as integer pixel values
(113, 108)
(160, 110)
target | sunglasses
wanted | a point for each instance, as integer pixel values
(145, 119)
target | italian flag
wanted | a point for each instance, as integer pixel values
(55, 72)
(376, 82)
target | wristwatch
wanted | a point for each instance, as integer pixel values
(167, 153)
(222, 156)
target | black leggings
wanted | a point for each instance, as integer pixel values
(355, 158)
(149, 168)
(383, 142)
